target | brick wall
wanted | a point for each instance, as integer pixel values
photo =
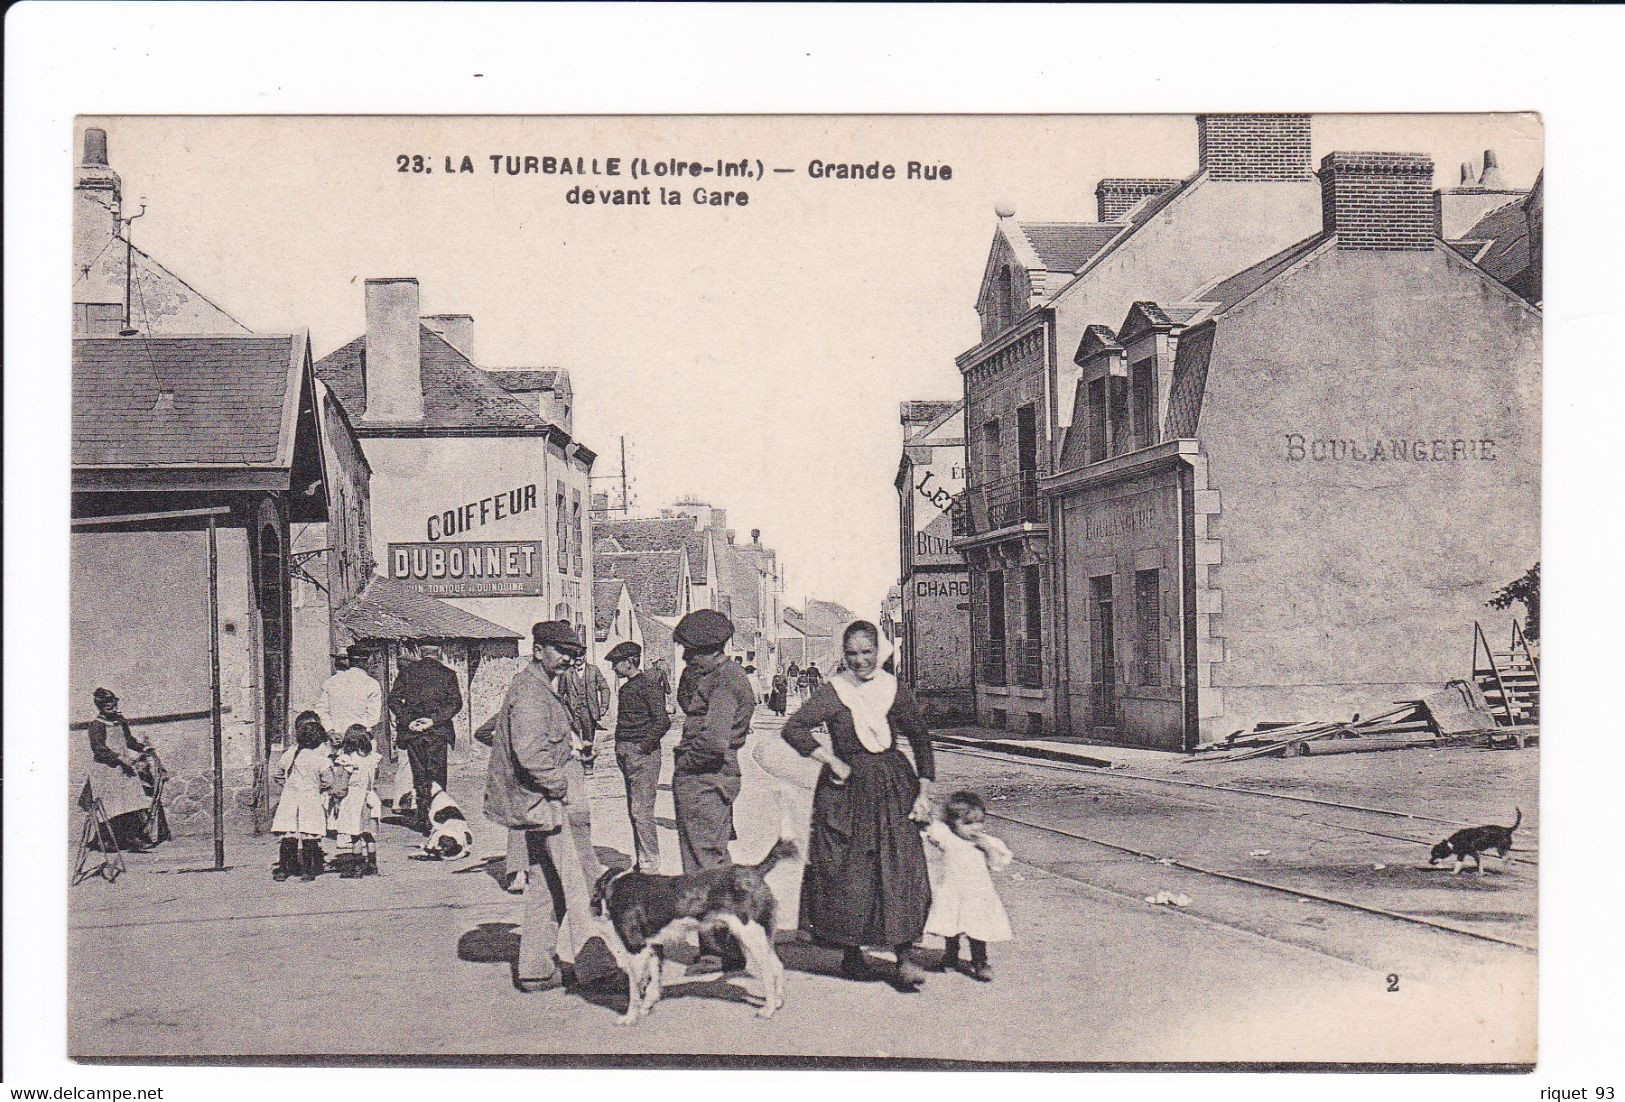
(1378, 201)
(1254, 147)
(1115, 197)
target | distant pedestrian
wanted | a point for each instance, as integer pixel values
(662, 677)
(803, 682)
(963, 901)
(775, 695)
(866, 881)
(423, 701)
(586, 695)
(792, 674)
(814, 678)
(301, 811)
(641, 721)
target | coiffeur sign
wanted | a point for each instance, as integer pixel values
(509, 568)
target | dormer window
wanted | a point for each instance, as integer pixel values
(1144, 400)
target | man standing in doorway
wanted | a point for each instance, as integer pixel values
(350, 696)
(526, 790)
(640, 723)
(717, 703)
(423, 701)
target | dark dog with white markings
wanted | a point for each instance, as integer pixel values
(1474, 842)
(650, 914)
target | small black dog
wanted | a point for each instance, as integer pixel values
(649, 914)
(1474, 842)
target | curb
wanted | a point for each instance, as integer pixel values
(1016, 749)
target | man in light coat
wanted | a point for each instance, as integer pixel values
(351, 696)
(526, 790)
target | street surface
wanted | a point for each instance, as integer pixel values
(174, 961)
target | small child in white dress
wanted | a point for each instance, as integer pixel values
(963, 902)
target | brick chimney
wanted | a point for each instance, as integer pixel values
(456, 330)
(394, 378)
(1491, 176)
(1254, 147)
(97, 204)
(1116, 197)
(1378, 201)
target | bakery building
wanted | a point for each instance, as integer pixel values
(478, 498)
(932, 608)
(1287, 494)
(1253, 192)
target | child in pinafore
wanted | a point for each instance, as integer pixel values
(301, 812)
(963, 902)
(354, 818)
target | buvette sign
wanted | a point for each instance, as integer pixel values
(509, 568)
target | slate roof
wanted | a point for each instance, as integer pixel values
(606, 599)
(654, 578)
(606, 545)
(826, 617)
(1068, 246)
(1231, 291)
(230, 400)
(456, 394)
(524, 380)
(390, 609)
(660, 534)
(1504, 233)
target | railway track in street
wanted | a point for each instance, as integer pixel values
(1525, 856)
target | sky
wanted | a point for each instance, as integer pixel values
(752, 356)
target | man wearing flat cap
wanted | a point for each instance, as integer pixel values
(526, 790)
(640, 723)
(717, 703)
(350, 696)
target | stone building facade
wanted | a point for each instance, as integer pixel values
(1318, 471)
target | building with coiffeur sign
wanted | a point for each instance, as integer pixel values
(1289, 494)
(479, 491)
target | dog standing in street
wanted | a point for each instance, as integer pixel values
(649, 914)
(1474, 842)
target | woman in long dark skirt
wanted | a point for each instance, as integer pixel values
(866, 882)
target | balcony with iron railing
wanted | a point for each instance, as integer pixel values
(1003, 504)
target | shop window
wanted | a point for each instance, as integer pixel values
(1148, 619)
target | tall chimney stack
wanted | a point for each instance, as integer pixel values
(1116, 197)
(1378, 201)
(98, 192)
(1266, 148)
(394, 378)
(456, 330)
(1469, 178)
(1491, 176)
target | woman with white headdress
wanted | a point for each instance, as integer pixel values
(866, 882)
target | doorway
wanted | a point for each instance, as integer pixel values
(1103, 655)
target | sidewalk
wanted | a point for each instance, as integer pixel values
(1077, 750)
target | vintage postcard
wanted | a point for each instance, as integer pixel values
(1037, 591)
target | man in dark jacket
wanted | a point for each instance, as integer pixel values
(423, 701)
(717, 701)
(641, 722)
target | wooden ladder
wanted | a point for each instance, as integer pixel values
(1509, 679)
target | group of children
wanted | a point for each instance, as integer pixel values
(328, 791)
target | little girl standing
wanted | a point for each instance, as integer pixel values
(353, 818)
(301, 812)
(963, 902)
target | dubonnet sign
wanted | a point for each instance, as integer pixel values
(510, 568)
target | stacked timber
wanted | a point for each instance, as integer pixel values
(1457, 715)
